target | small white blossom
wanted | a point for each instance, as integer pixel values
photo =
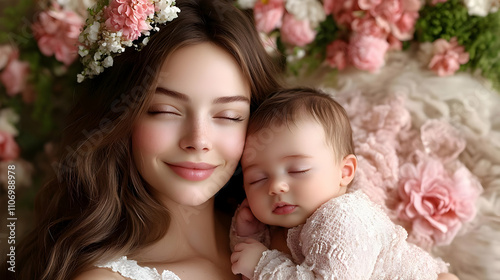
(246, 4)
(311, 10)
(8, 120)
(80, 78)
(94, 31)
(482, 7)
(107, 62)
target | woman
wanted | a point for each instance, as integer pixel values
(153, 139)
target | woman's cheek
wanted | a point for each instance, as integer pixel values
(151, 138)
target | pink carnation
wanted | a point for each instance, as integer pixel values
(336, 54)
(434, 202)
(9, 150)
(129, 16)
(447, 57)
(268, 16)
(367, 52)
(296, 32)
(15, 74)
(56, 32)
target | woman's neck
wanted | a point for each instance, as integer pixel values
(193, 232)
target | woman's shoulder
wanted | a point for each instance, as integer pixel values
(98, 273)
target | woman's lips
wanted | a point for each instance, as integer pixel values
(192, 171)
(282, 208)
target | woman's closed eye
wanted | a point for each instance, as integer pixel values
(169, 110)
(233, 117)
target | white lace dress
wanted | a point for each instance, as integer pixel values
(131, 270)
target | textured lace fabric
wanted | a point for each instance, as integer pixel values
(349, 237)
(131, 270)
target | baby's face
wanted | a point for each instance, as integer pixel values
(289, 172)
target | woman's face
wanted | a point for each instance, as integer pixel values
(188, 142)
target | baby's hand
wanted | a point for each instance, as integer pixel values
(246, 256)
(246, 223)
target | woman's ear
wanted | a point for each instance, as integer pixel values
(348, 166)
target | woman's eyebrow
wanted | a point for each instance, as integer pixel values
(172, 93)
(228, 99)
(184, 97)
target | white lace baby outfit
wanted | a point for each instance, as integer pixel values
(348, 237)
(131, 270)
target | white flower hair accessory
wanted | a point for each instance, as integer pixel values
(113, 25)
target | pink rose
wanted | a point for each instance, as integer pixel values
(403, 28)
(56, 32)
(434, 203)
(448, 56)
(9, 150)
(367, 52)
(129, 16)
(268, 16)
(389, 10)
(336, 54)
(394, 43)
(296, 32)
(441, 140)
(368, 4)
(411, 5)
(371, 26)
(15, 74)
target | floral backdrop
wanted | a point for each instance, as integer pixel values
(419, 80)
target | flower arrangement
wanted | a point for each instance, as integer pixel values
(414, 173)
(118, 24)
(452, 34)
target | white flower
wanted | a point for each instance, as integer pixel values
(94, 31)
(165, 11)
(482, 7)
(246, 4)
(311, 10)
(107, 62)
(8, 119)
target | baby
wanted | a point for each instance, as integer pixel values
(297, 164)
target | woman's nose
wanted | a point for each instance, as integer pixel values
(277, 187)
(196, 137)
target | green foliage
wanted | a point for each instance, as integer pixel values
(479, 35)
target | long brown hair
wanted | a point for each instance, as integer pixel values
(96, 206)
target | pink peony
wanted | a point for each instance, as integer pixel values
(447, 57)
(342, 11)
(9, 150)
(441, 140)
(367, 52)
(434, 202)
(56, 32)
(296, 32)
(336, 54)
(15, 74)
(129, 16)
(268, 16)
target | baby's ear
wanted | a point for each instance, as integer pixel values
(348, 166)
